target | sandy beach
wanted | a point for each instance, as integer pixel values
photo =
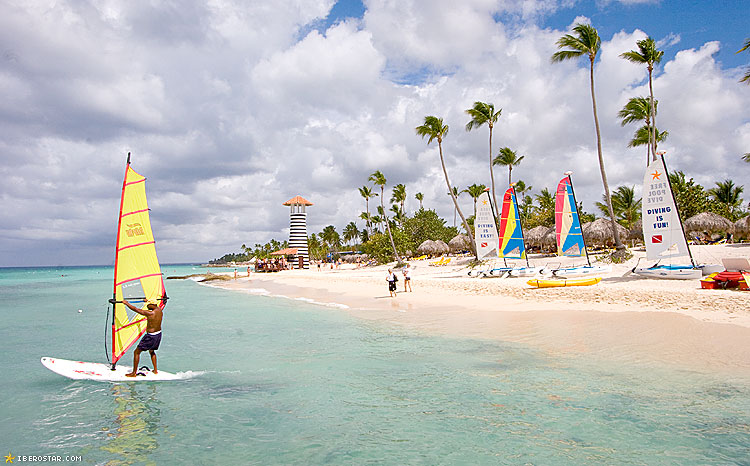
(626, 318)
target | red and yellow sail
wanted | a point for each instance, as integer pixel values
(137, 273)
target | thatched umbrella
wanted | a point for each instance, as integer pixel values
(550, 238)
(442, 247)
(637, 231)
(459, 243)
(742, 225)
(709, 222)
(600, 232)
(535, 235)
(427, 247)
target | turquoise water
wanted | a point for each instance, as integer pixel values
(288, 382)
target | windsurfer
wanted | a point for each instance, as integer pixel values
(152, 338)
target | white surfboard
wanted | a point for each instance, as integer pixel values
(80, 370)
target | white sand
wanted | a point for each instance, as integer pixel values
(629, 318)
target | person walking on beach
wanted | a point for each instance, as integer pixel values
(391, 278)
(407, 278)
(151, 340)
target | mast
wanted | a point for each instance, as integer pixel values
(679, 216)
(575, 206)
(117, 244)
(497, 225)
(518, 216)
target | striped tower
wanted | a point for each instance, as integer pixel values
(298, 229)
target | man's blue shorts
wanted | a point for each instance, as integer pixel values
(150, 342)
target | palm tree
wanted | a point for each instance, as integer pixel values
(367, 193)
(331, 237)
(433, 128)
(627, 208)
(636, 110)
(727, 193)
(480, 114)
(746, 78)
(420, 198)
(507, 158)
(475, 191)
(455, 193)
(378, 179)
(746, 157)
(642, 135)
(399, 196)
(649, 55)
(546, 207)
(587, 42)
(351, 232)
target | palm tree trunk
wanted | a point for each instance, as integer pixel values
(616, 234)
(367, 207)
(510, 170)
(455, 203)
(652, 132)
(492, 171)
(388, 225)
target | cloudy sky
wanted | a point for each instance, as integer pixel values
(232, 107)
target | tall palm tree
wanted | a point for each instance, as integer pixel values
(649, 55)
(546, 207)
(475, 191)
(331, 237)
(627, 207)
(366, 192)
(642, 136)
(480, 114)
(455, 192)
(378, 179)
(399, 196)
(351, 232)
(726, 192)
(746, 78)
(507, 158)
(638, 109)
(587, 42)
(434, 129)
(420, 198)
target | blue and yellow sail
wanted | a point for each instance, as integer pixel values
(138, 276)
(567, 222)
(511, 235)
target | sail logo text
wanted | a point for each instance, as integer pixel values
(134, 229)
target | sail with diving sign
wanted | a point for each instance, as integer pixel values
(485, 231)
(662, 229)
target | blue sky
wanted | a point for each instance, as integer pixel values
(230, 108)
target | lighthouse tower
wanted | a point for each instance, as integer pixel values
(298, 230)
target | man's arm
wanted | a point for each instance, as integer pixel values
(144, 312)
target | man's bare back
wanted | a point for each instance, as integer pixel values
(151, 340)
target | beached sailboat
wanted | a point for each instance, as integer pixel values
(485, 233)
(662, 227)
(569, 234)
(137, 279)
(512, 244)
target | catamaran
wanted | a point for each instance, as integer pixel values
(485, 233)
(662, 227)
(137, 279)
(569, 234)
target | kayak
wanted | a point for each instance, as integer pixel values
(551, 283)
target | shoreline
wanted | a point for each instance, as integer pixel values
(623, 318)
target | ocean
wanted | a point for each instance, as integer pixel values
(283, 381)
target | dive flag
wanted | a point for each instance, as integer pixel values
(483, 245)
(656, 239)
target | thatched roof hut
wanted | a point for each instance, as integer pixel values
(709, 222)
(637, 231)
(742, 225)
(535, 235)
(599, 232)
(442, 247)
(459, 243)
(427, 247)
(550, 238)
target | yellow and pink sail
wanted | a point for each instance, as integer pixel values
(567, 222)
(511, 234)
(138, 277)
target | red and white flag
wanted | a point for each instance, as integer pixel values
(656, 239)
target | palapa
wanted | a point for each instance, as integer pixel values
(709, 222)
(742, 225)
(442, 247)
(637, 231)
(459, 243)
(599, 232)
(427, 247)
(535, 236)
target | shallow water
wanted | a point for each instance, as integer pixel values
(289, 382)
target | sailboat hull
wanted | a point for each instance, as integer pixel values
(669, 272)
(79, 370)
(581, 271)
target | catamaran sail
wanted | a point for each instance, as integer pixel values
(485, 231)
(662, 228)
(569, 234)
(511, 240)
(138, 277)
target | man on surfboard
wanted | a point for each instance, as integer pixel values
(152, 338)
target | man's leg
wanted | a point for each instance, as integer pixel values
(136, 358)
(153, 360)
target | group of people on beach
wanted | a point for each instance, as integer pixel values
(392, 279)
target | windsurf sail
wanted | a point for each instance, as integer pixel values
(662, 228)
(138, 277)
(485, 231)
(567, 222)
(511, 235)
